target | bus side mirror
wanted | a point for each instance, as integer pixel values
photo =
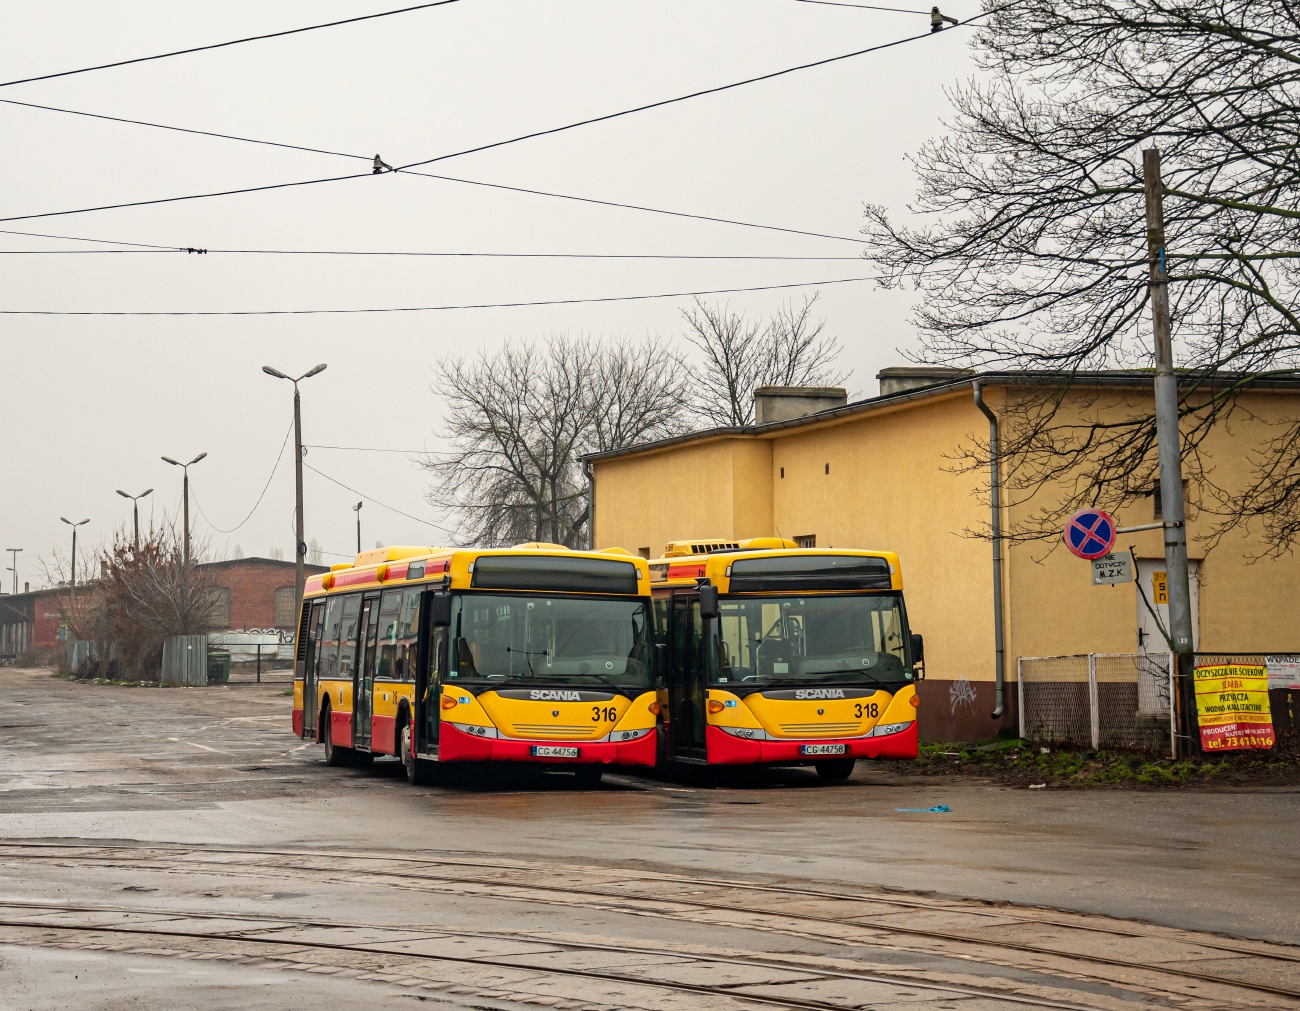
(441, 610)
(918, 648)
(661, 664)
(708, 602)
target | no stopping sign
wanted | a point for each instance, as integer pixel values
(1090, 533)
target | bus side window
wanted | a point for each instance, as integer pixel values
(349, 628)
(408, 629)
(389, 607)
(312, 647)
(329, 653)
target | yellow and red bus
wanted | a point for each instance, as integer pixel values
(534, 653)
(775, 654)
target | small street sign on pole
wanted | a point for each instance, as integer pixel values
(1111, 568)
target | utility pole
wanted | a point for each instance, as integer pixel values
(185, 467)
(357, 509)
(1170, 454)
(300, 549)
(14, 568)
(72, 601)
(135, 511)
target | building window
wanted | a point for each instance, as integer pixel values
(285, 599)
(219, 611)
(828, 468)
(806, 540)
(782, 472)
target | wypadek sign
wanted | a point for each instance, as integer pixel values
(1232, 707)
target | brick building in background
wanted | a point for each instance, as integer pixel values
(255, 593)
(252, 593)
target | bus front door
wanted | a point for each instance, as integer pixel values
(311, 657)
(363, 679)
(686, 696)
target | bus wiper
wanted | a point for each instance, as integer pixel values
(803, 682)
(527, 657)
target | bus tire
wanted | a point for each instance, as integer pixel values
(419, 771)
(334, 755)
(588, 776)
(835, 770)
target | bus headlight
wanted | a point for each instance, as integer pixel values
(619, 736)
(747, 733)
(473, 731)
(888, 728)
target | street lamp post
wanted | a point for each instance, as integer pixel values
(186, 495)
(300, 549)
(14, 568)
(357, 509)
(135, 511)
(72, 601)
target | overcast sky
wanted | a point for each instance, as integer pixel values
(93, 401)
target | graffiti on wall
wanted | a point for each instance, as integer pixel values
(961, 694)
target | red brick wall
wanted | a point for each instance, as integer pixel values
(252, 583)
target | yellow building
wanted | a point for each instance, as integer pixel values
(881, 474)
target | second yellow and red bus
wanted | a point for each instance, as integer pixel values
(774, 654)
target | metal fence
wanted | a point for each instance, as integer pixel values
(249, 657)
(185, 660)
(1099, 700)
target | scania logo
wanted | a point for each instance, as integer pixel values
(555, 696)
(819, 693)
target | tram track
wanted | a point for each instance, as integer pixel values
(375, 868)
(734, 991)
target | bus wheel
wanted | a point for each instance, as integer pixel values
(588, 776)
(334, 755)
(418, 771)
(835, 770)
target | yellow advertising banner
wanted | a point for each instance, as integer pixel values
(1232, 707)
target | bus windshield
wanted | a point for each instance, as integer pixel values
(860, 638)
(550, 640)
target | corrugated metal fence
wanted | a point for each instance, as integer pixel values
(1099, 700)
(185, 660)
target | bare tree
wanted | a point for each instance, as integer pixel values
(1034, 252)
(147, 594)
(740, 355)
(57, 572)
(520, 418)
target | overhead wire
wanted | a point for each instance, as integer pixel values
(865, 7)
(371, 498)
(430, 175)
(231, 42)
(416, 253)
(372, 449)
(532, 135)
(433, 308)
(661, 103)
(265, 487)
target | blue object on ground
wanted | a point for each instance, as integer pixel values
(937, 809)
